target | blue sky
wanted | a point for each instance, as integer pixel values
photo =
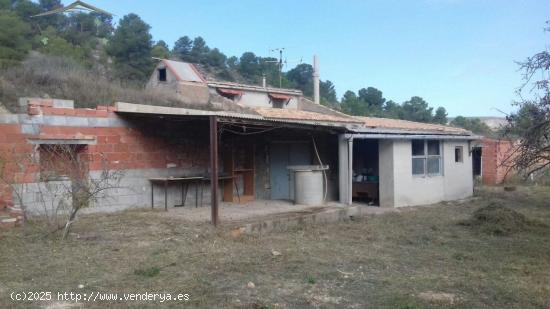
(454, 53)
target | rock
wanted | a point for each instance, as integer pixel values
(81, 286)
(251, 285)
(276, 253)
(8, 223)
(237, 233)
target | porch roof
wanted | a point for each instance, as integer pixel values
(319, 120)
(360, 127)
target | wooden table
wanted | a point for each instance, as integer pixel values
(185, 181)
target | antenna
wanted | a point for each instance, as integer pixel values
(280, 50)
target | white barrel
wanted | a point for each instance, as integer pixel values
(308, 184)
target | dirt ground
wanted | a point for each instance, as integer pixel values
(417, 258)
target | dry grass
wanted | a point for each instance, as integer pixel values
(412, 259)
(63, 78)
(496, 219)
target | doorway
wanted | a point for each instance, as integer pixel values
(476, 161)
(365, 184)
(282, 155)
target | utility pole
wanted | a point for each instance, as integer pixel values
(280, 63)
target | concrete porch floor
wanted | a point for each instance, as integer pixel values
(255, 210)
(259, 210)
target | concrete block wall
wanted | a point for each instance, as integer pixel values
(118, 145)
(135, 190)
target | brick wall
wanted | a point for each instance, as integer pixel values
(114, 142)
(494, 160)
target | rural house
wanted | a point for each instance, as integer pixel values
(168, 154)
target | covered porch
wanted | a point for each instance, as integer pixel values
(232, 166)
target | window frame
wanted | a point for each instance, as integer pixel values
(461, 148)
(426, 156)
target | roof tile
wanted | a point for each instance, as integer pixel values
(292, 114)
(388, 123)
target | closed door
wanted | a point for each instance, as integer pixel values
(282, 155)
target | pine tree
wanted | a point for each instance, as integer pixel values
(130, 48)
(14, 41)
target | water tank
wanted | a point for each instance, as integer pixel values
(309, 188)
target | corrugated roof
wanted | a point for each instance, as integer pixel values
(292, 114)
(184, 71)
(253, 87)
(387, 123)
(264, 114)
(345, 122)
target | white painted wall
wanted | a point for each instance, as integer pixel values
(344, 169)
(398, 186)
(261, 99)
(386, 173)
(459, 180)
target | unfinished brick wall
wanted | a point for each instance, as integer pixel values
(494, 160)
(114, 143)
(13, 143)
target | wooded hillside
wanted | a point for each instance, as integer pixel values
(123, 54)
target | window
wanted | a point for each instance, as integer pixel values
(60, 161)
(162, 75)
(279, 100)
(278, 104)
(459, 154)
(426, 157)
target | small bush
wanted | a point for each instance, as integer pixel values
(496, 219)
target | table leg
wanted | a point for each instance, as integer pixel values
(182, 195)
(184, 199)
(184, 190)
(165, 195)
(152, 195)
(237, 189)
(202, 190)
(197, 195)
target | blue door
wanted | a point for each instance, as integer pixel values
(281, 156)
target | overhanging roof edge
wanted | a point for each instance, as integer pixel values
(412, 136)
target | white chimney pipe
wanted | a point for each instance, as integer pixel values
(316, 97)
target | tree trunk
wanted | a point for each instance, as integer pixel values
(69, 223)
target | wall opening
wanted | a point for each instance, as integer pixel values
(476, 161)
(278, 103)
(162, 75)
(365, 184)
